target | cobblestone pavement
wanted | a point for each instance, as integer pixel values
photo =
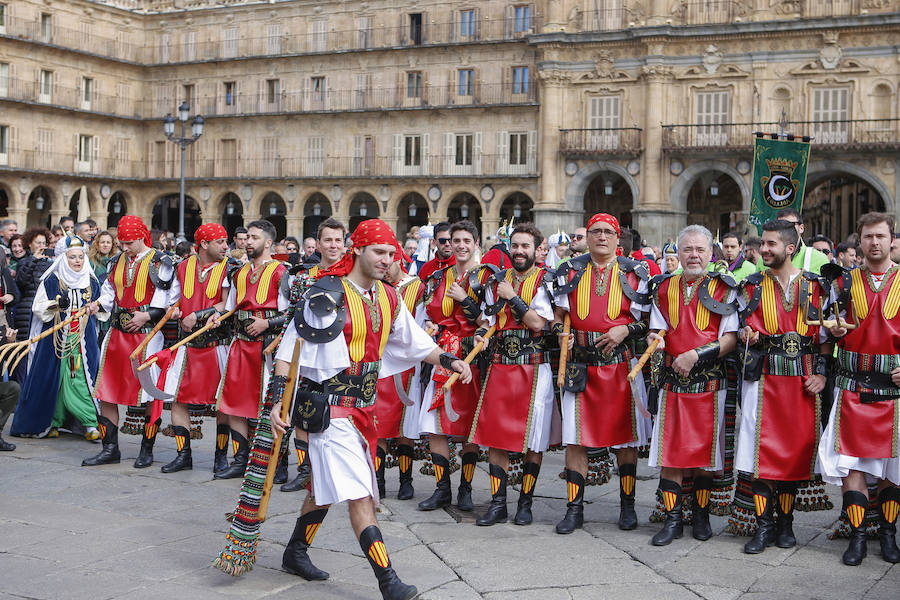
(118, 532)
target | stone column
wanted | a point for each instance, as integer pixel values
(489, 227)
(392, 220)
(556, 18)
(294, 225)
(658, 13)
(551, 201)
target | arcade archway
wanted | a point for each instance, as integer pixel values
(165, 215)
(412, 212)
(316, 210)
(274, 210)
(363, 206)
(231, 211)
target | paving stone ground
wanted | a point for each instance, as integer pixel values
(118, 532)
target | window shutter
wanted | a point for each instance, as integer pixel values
(149, 161)
(357, 154)
(404, 28)
(449, 153)
(509, 13)
(477, 23)
(476, 153)
(454, 15)
(397, 154)
(13, 140)
(96, 154)
(502, 155)
(532, 151)
(425, 28)
(426, 153)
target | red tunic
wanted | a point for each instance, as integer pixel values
(389, 409)
(201, 288)
(787, 416)
(503, 415)
(605, 411)
(454, 327)
(134, 290)
(688, 421)
(869, 430)
(243, 385)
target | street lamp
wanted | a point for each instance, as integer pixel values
(182, 142)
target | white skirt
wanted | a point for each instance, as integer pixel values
(342, 467)
(545, 420)
(644, 423)
(720, 436)
(836, 466)
(409, 427)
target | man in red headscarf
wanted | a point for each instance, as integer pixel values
(201, 285)
(605, 298)
(379, 338)
(135, 294)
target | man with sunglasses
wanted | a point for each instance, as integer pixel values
(443, 252)
(579, 241)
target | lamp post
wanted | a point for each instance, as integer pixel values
(183, 142)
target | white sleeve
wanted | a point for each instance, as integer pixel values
(41, 307)
(231, 301)
(283, 301)
(160, 298)
(107, 298)
(407, 345)
(729, 323)
(563, 302)
(541, 304)
(174, 291)
(637, 310)
(488, 301)
(317, 361)
(657, 321)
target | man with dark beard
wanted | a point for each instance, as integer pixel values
(516, 406)
(784, 371)
(260, 296)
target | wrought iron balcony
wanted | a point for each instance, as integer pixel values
(67, 97)
(71, 164)
(837, 135)
(592, 143)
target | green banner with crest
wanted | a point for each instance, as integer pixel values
(779, 178)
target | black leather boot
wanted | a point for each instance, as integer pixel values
(379, 470)
(183, 460)
(889, 505)
(574, 518)
(700, 528)
(295, 558)
(220, 458)
(109, 454)
(281, 469)
(855, 505)
(442, 495)
(145, 456)
(405, 463)
(673, 526)
(303, 468)
(765, 534)
(526, 496)
(496, 512)
(784, 521)
(391, 587)
(241, 456)
(467, 473)
(627, 515)
(6, 446)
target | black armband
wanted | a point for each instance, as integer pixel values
(156, 313)
(470, 309)
(447, 360)
(823, 365)
(708, 352)
(205, 313)
(276, 387)
(638, 329)
(517, 307)
(481, 331)
(276, 323)
(557, 328)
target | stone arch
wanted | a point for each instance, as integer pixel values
(164, 213)
(274, 209)
(525, 204)
(7, 197)
(359, 203)
(473, 210)
(679, 192)
(41, 202)
(577, 188)
(116, 207)
(820, 169)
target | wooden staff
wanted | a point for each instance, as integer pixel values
(646, 355)
(564, 351)
(21, 348)
(152, 360)
(271, 347)
(471, 356)
(286, 398)
(154, 331)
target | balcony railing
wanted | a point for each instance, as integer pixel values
(68, 97)
(122, 48)
(609, 19)
(702, 12)
(849, 134)
(622, 141)
(485, 165)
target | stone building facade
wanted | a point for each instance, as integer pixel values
(418, 110)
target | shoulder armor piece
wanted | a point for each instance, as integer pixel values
(162, 271)
(323, 298)
(111, 263)
(657, 281)
(754, 279)
(713, 305)
(284, 285)
(725, 278)
(499, 303)
(632, 294)
(474, 279)
(577, 265)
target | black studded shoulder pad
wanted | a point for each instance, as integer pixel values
(720, 308)
(111, 263)
(475, 276)
(629, 265)
(578, 266)
(323, 298)
(499, 303)
(284, 286)
(754, 279)
(162, 271)
(656, 281)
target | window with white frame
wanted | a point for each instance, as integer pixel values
(230, 93)
(464, 148)
(46, 86)
(604, 119)
(46, 27)
(273, 38)
(87, 92)
(522, 19)
(318, 92)
(4, 79)
(84, 152)
(516, 152)
(412, 151)
(230, 42)
(2, 18)
(123, 154)
(273, 91)
(467, 23)
(518, 149)
(414, 84)
(713, 112)
(4, 140)
(315, 156)
(520, 80)
(163, 100)
(466, 82)
(831, 115)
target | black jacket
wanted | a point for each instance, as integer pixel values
(28, 278)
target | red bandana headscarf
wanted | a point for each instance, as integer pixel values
(209, 232)
(609, 220)
(370, 231)
(131, 228)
